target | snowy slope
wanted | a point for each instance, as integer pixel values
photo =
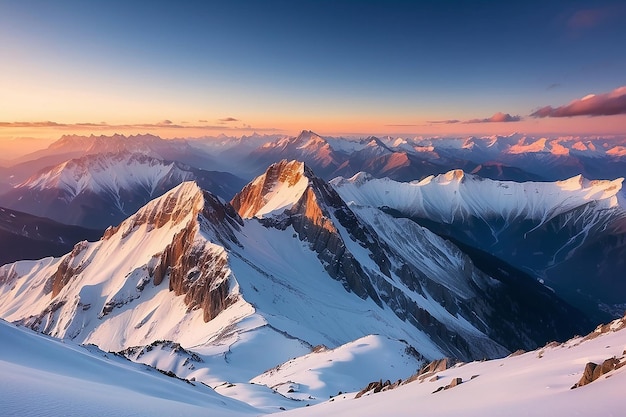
(394, 262)
(106, 293)
(108, 173)
(536, 383)
(103, 189)
(568, 234)
(40, 376)
(323, 373)
(457, 195)
(285, 274)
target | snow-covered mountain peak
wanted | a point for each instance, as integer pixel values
(454, 176)
(107, 173)
(308, 138)
(529, 145)
(175, 239)
(175, 207)
(456, 195)
(273, 192)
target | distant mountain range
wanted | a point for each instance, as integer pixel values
(101, 190)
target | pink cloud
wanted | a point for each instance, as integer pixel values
(588, 18)
(606, 104)
(497, 118)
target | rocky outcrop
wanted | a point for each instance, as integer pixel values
(455, 382)
(431, 369)
(194, 267)
(378, 386)
(594, 371)
(426, 371)
(68, 269)
(199, 269)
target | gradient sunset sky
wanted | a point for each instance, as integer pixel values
(183, 69)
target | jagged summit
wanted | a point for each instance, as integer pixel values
(172, 244)
(278, 189)
(173, 208)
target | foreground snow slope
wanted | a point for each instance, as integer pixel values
(536, 383)
(40, 376)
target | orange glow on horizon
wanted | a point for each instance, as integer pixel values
(25, 137)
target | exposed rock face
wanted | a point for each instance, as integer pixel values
(197, 271)
(255, 195)
(196, 268)
(69, 268)
(455, 382)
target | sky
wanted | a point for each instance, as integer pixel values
(197, 68)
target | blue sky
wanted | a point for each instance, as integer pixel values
(334, 66)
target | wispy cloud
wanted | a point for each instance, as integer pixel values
(553, 86)
(401, 125)
(496, 118)
(606, 104)
(164, 124)
(228, 120)
(32, 124)
(444, 122)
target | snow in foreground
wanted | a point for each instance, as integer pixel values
(43, 376)
(537, 383)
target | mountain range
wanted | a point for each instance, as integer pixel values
(100, 190)
(296, 289)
